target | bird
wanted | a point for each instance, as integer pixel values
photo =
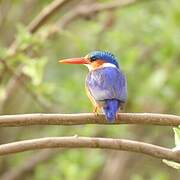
(106, 84)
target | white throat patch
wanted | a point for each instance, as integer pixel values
(102, 66)
(108, 65)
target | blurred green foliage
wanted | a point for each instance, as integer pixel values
(146, 39)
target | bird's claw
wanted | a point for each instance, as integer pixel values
(95, 111)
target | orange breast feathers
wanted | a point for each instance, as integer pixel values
(97, 64)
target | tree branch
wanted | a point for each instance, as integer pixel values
(88, 118)
(87, 142)
(45, 14)
(86, 10)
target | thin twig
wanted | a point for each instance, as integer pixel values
(88, 118)
(89, 142)
(78, 11)
(82, 11)
(45, 14)
(39, 21)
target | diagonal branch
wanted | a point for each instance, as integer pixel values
(45, 14)
(88, 118)
(39, 21)
(82, 11)
(88, 142)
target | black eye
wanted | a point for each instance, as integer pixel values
(93, 58)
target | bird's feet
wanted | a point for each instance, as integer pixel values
(95, 111)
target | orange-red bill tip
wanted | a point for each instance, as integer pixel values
(80, 60)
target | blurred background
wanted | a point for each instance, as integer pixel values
(144, 35)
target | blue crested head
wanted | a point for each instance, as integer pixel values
(104, 55)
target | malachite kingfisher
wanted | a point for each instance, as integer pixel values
(106, 84)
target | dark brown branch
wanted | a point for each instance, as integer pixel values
(88, 142)
(88, 118)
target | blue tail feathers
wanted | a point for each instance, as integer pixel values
(111, 109)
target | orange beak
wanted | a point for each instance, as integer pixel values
(81, 60)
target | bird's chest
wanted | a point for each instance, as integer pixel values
(99, 82)
(95, 80)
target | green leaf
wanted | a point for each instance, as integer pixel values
(35, 69)
(172, 164)
(177, 136)
(24, 37)
(177, 143)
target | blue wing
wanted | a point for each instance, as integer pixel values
(107, 83)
